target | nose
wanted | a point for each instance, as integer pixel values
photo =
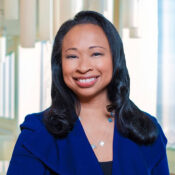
(84, 65)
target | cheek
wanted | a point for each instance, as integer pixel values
(106, 67)
(109, 65)
(67, 69)
(67, 76)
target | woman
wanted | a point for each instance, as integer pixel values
(92, 127)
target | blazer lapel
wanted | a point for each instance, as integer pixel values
(43, 146)
(128, 158)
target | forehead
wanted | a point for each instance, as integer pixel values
(84, 34)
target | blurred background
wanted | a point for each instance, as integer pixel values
(27, 31)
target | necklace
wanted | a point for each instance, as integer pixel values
(101, 141)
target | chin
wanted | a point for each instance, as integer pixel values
(89, 95)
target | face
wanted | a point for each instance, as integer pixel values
(86, 61)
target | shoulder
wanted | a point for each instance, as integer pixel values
(161, 139)
(33, 122)
(34, 138)
(32, 148)
(155, 152)
(33, 129)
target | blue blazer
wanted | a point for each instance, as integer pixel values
(37, 152)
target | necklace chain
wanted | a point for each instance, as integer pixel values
(101, 142)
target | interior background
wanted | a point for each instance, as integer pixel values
(27, 30)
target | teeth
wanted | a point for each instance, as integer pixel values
(86, 80)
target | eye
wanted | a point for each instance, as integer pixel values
(71, 56)
(97, 54)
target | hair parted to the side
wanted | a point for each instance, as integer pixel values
(131, 121)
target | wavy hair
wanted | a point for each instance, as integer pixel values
(131, 121)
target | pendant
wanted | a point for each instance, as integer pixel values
(93, 146)
(101, 143)
(109, 119)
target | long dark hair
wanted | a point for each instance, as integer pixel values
(131, 121)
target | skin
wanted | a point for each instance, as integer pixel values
(86, 52)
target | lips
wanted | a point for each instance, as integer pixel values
(86, 82)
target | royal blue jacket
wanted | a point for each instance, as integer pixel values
(37, 152)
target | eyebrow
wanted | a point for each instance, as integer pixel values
(70, 49)
(91, 47)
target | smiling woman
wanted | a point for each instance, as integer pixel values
(91, 127)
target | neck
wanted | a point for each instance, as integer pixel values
(95, 108)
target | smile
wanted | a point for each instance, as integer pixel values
(86, 82)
